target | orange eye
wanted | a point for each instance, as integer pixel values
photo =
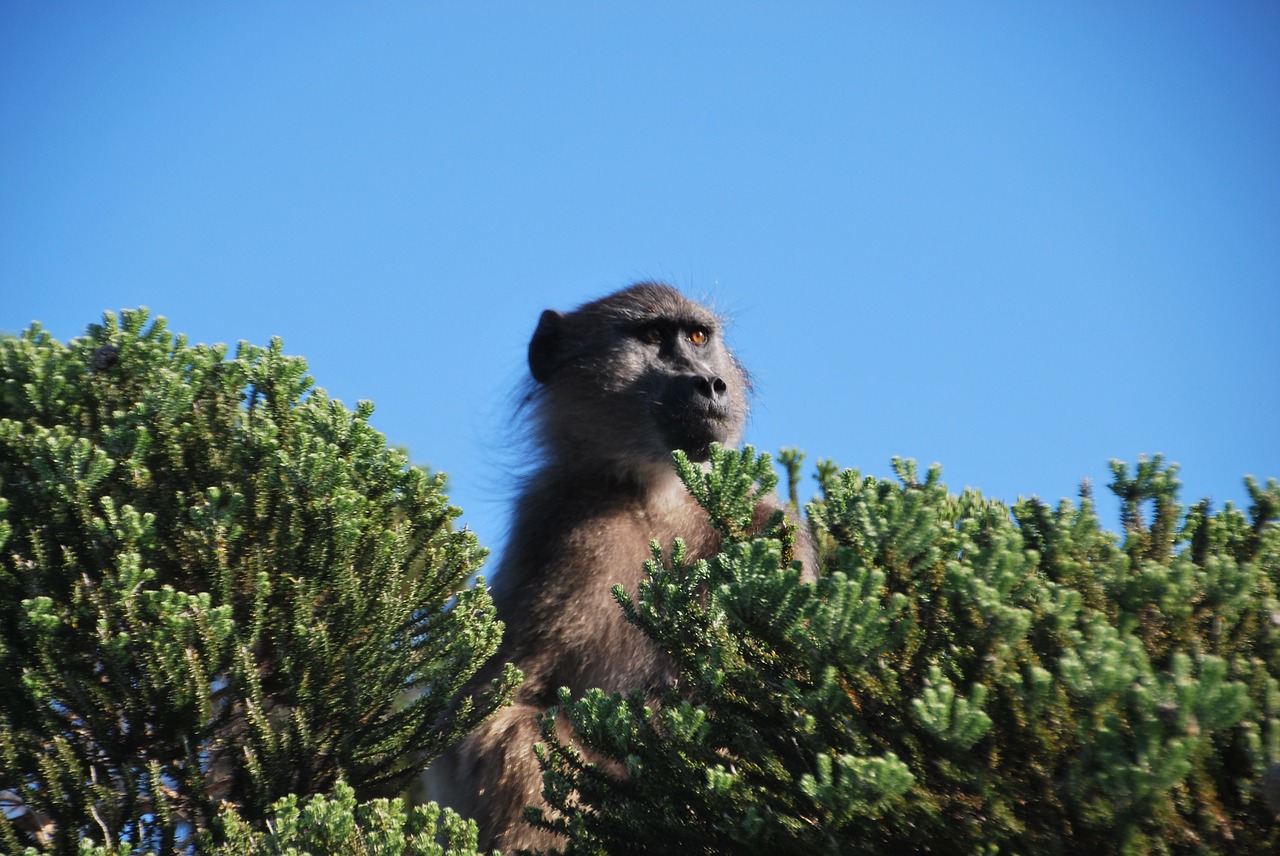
(699, 336)
(650, 335)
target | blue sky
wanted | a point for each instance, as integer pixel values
(1017, 239)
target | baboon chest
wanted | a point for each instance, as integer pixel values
(564, 627)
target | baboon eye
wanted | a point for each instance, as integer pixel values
(650, 335)
(699, 336)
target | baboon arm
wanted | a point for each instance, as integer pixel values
(804, 550)
(491, 776)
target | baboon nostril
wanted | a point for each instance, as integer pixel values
(711, 387)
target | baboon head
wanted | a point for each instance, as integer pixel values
(626, 379)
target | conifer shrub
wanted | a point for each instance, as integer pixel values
(218, 588)
(327, 825)
(965, 677)
(331, 825)
(233, 622)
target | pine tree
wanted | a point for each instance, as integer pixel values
(218, 588)
(964, 678)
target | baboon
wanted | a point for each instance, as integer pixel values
(620, 383)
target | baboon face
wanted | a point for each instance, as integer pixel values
(635, 375)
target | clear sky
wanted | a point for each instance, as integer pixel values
(1019, 239)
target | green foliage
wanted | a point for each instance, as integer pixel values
(217, 586)
(963, 678)
(323, 825)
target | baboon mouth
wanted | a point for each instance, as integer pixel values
(694, 434)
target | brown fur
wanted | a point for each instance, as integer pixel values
(621, 384)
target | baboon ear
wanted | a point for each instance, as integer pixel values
(544, 347)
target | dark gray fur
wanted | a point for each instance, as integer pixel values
(621, 382)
